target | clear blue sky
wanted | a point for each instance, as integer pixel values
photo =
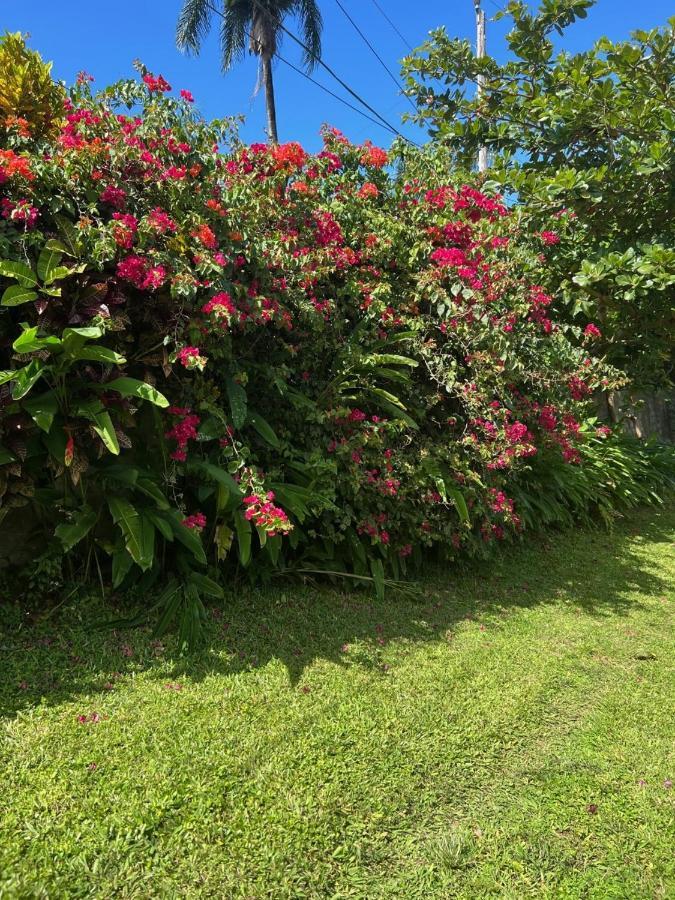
(104, 37)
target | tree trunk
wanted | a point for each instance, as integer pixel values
(269, 99)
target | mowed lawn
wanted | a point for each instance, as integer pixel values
(510, 733)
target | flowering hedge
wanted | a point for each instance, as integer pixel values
(267, 358)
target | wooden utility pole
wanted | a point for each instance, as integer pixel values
(480, 51)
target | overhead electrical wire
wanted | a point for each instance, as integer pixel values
(372, 49)
(332, 94)
(325, 66)
(383, 13)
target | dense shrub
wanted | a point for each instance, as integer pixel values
(228, 355)
(592, 133)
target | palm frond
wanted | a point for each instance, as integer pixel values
(194, 23)
(311, 23)
(234, 29)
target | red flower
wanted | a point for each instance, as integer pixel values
(114, 196)
(157, 83)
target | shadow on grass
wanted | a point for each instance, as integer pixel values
(55, 658)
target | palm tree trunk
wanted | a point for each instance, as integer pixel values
(269, 99)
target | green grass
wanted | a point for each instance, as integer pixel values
(509, 735)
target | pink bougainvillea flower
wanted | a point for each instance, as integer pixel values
(156, 83)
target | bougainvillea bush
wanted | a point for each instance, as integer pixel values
(219, 357)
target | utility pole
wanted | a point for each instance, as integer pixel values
(480, 52)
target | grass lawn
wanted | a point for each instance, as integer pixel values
(511, 734)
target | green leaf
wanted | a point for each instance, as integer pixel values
(377, 571)
(7, 375)
(20, 271)
(58, 272)
(393, 359)
(71, 533)
(121, 563)
(223, 541)
(460, 503)
(215, 473)
(58, 246)
(238, 405)
(395, 409)
(264, 429)
(42, 409)
(6, 456)
(25, 378)
(160, 524)
(243, 528)
(47, 261)
(99, 354)
(29, 342)
(90, 332)
(207, 586)
(148, 487)
(131, 387)
(16, 295)
(103, 426)
(293, 498)
(71, 238)
(138, 532)
(189, 538)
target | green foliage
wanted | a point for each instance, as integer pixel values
(225, 362)
(586, 142)
(29, 97)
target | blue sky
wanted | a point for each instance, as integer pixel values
(104, 37)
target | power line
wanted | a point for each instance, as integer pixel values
(330, 71)
(377, 6)
(331, 93)
(375, 53)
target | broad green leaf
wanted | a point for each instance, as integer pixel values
(99, 354)
(48, 260)
(71, 238)
(293, 498)
(103, 426)
(396, 410)
(56, 273)
(121, 563)
(238, 406)
(138, 533)
(243, 529)
(393, 359)
(148, 487)
(377, 571)
(25, 378)
(207, 586)
(71, 533)
(16, 295)
(160, 524)
(187, 536)
(459, 501)
(223, 541)
(217, 474)
(90, 332)
(42, 409)
(29, 342)
(20, 271)
(131, 387)
(7, 375)
(263, 428)
(58, 246)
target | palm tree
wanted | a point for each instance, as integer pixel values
(259, 23)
